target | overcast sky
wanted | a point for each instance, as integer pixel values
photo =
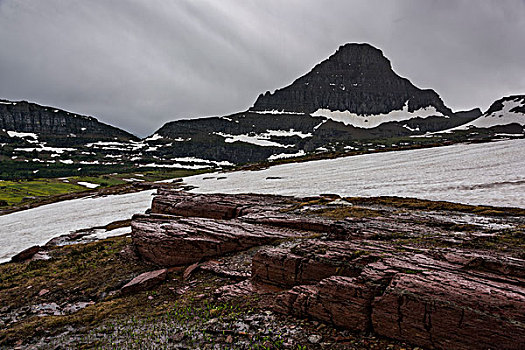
(137, 64)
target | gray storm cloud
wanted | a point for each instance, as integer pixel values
(138, 64)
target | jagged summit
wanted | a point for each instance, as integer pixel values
(357, 78)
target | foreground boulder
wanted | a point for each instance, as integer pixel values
(171, 241)
(145, 281)
(26, 254)
(213, 206)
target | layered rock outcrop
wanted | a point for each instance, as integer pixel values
(22, 116)
(185, 228)
(418, 277)
(406, 295)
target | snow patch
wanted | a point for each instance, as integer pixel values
(410, 129)
(87, 184)
(459, 173)
(374, 120)
(275, 111)
(501, 117)
(286, 155)
(175, 165)
(153, 137)
(259, 140)
(21, 134)
(46, 149)
(286, 133)
(25, 227)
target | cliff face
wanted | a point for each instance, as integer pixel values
(357, 78)
(23, 116)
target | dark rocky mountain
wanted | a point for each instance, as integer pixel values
(54, 124)
(352, 101)
(45, 141)
(357, 78)
(347, 100)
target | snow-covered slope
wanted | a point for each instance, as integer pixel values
(24, 229)
(489, 173)
(508, 110)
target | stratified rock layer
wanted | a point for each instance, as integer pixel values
(171, 241)
(402, 275)
(186, 228)
(404, 295)
(22, 116)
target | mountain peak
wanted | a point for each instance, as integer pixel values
(357, 78)
(355, 52)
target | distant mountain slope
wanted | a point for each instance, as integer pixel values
(45, 141)
(504, 116)
(26, 117)
(505, 111)
(352, 96)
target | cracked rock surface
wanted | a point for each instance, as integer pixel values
(427, 277)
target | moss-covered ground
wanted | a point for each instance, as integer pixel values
(14, 193)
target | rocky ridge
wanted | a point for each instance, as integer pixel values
(347, 100)
(351, 102)
(26, 117)
(504, 116)
(423, 277)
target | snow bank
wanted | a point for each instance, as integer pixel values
(489, 173)
(374, 120)
(87, 184)
(24, 229)
(501, 117)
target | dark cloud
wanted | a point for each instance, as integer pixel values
(138, 64)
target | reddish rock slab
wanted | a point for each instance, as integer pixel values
(446, 310)
(298, 222)
(26, 254)
(190, 270)
(214, 206)
(171, 241)
(241, 289)
(310, 262)
(338, 300)
(405, 295)
(145, 281)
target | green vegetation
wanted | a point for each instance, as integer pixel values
(19, 192)
(15, 192)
